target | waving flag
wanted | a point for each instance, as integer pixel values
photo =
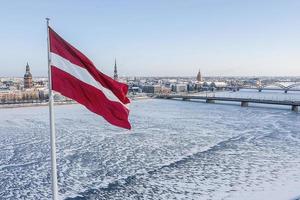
(76, 77)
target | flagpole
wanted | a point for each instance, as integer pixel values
(52, 127)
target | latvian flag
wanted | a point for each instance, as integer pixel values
(76, 77)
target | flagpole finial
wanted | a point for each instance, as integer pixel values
(47, 20)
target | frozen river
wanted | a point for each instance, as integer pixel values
(176, 150)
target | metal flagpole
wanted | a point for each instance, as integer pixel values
(52, 127)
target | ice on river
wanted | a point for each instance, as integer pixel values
(176, 150)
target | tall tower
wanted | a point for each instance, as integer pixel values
(115, 71)
(199, 77)
(27, 77)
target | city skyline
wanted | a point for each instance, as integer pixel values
(170, 38)
(195, 76)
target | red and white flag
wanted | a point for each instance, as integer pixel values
(76, 77)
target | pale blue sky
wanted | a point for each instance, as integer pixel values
(157, 37)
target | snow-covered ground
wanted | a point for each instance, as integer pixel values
(176, 150)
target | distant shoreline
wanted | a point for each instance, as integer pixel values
(21, 105)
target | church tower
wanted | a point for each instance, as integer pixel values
(115, 71)
(27, 78)
(199, 77)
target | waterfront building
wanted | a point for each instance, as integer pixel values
(199, 86)
(134, 90)
(180, 87)
(154, 89)
(218, 85)
(165, 90)
(27, 78)
(206, 85)
(17, 96)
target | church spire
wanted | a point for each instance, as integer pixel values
(115, 71)
(199, 77)
(27, 67)
(27, 77)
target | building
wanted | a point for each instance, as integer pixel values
(134, 90)
(115, 71)
(180, 87)
(199, 77)
(18, 96)
(154, 89)
(27, 78)
(218, 85)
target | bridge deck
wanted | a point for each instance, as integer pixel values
(250, 100)
(280, 89)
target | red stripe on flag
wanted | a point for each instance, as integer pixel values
(61, 47)
(92, 98)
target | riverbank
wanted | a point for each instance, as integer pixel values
(18, 105)
(35, 104)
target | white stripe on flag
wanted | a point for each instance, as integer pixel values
(81, 74)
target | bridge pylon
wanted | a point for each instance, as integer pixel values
(244, 103)
(295, 108)
(210, 101)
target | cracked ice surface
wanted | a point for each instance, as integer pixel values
(176, 150)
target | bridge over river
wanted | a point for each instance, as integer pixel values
(284, 86)
(244, 101)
